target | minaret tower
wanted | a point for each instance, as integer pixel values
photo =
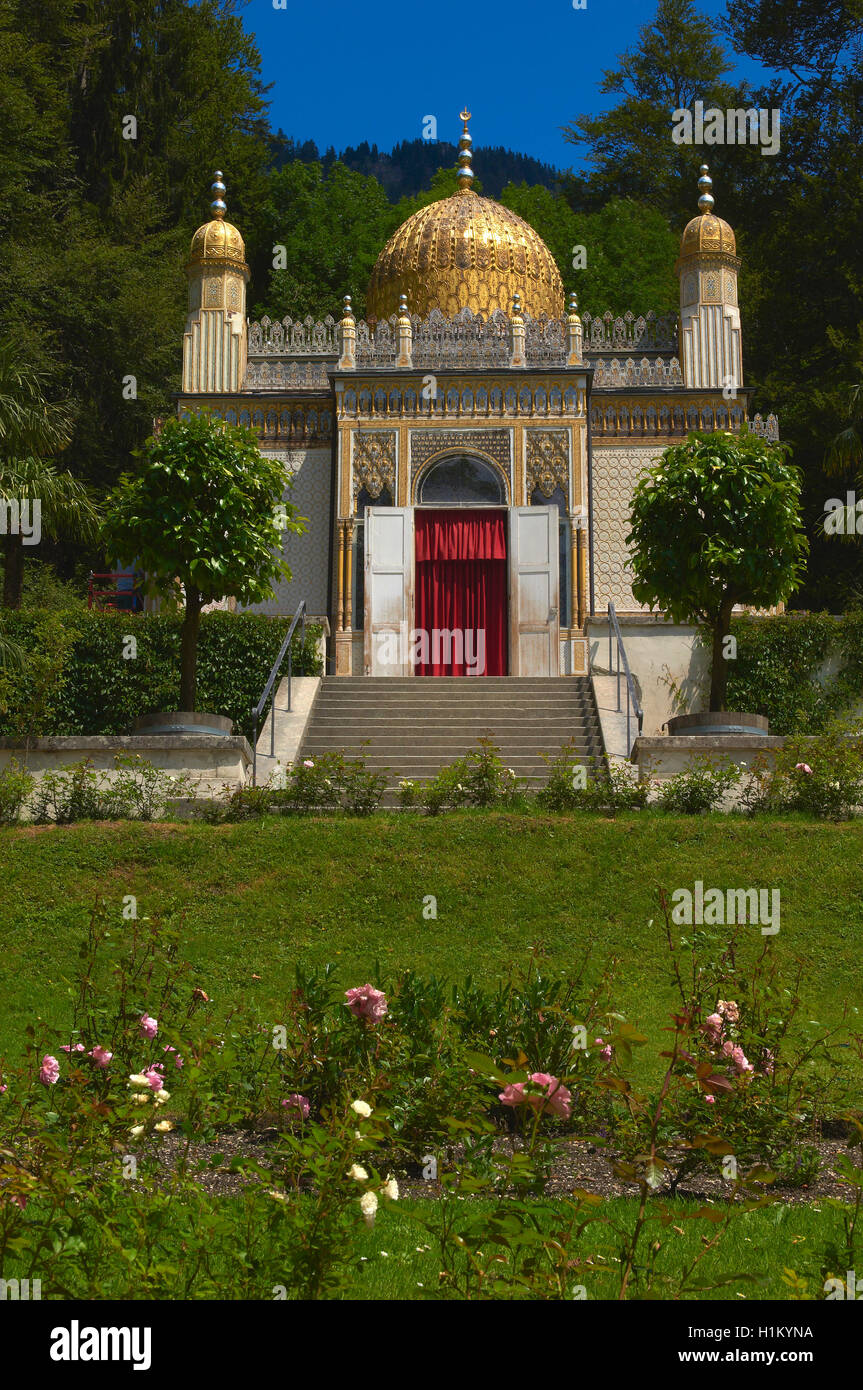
(214, 343)
(710, 348)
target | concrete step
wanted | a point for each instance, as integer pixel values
(413, 726)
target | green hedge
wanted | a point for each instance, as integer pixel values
(77, 680)
(777, 665)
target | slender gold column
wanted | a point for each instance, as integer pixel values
(582, 576)
(349, 574)
(574, 578)
(341, 577)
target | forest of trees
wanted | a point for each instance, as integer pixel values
(411, 164)
(95, 226)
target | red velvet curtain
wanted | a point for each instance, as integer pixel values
(461, 589)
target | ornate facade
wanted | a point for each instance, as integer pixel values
(470, 386)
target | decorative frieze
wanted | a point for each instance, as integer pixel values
(467, 340)
(547, 461)
(662, 417)
(424, 444)
(308, 338)
(613, 374)
(445, 398)
(374, 462)
(280, 376)
(622, 333)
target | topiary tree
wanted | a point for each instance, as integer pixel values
(714, 524)
(203, 512)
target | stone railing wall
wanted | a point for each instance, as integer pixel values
(608, 333)
(614, 374)
(661, 419)
(271, 338)
(466, 340)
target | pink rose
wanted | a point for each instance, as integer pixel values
(557, 1099)
(367, 1002)
(178, 1061)
(727, 1048)
(729, 1010)
(67, 1047)
(709, 1100)
(296, 1102)
(149, 1026)
(713, 1028)
(740, 1061)
(101, 1056)
(154, 1077)
(49, 1072)
(607, 1052)
(308, 763)
(803, 767)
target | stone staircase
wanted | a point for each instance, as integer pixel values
(415, 725)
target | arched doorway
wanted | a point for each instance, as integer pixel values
(460, 537)
(461, 480)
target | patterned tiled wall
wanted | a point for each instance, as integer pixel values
(615, 474)
(307, 555)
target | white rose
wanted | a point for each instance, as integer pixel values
(136, 1079)
(391, 1188)
(164, 1125)
(136, 1131)
(360, 1107)
(358, 1173)
(368, 1206)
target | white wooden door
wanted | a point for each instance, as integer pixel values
(389, 575)
(534, 600)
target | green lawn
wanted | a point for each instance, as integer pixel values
(402, 1262)
(257, 898)
(400, 1258)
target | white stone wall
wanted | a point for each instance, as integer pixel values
(668, 661)
(308, 555)
(615, 474)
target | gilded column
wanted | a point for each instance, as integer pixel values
(576, 596)
(582, 573)
(349, 575)
(341, 577)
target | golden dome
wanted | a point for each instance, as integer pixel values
(465, 252)
(707, 232)
(217, 240)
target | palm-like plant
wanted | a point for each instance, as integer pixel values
(66, 508)
(846, 450)
(32, 428)
(13, 657)
(845, 453)
(29, 423)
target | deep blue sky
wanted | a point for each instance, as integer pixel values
(346, 71)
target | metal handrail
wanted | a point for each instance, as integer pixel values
(631, 697)
(300, 615)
